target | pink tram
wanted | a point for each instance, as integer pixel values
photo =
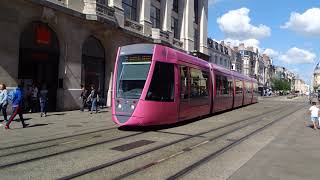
(156, 85)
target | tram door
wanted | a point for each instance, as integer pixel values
(184, 93)
(194, 93)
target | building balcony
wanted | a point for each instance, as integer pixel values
(177, 43)
(104, 11)
(61, 2)
(133, 26)
(92, 9)
(160, 36)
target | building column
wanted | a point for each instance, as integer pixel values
(167, 5)
(144, 17)
(204, 27)
(187, 28)
(118, 13)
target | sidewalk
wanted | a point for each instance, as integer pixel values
(294, 155)
(55, 125)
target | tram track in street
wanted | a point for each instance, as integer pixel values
(67, 151)
(192, 147)
(219, 152)
(55, 139)
(49, 144)
(138, 154)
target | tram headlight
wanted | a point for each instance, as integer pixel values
(132, 107)
(119, 106)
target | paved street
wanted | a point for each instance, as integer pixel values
(268, 140)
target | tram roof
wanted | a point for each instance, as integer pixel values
(149, 49)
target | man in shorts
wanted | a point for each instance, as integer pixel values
(314, 110)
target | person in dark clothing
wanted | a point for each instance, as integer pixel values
(34, 98)
(16, 108)
(83, 97)
(43, 98)
(93, 97)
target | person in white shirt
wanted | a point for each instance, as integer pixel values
(314, 110)
(3, 101)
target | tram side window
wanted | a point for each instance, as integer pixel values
(225, 85)
(162, 83)
(255, 89)
(184, 78)
(222, 85)
(218, 85)
(230, 85)
(239, 87)
(199, 85)
(248, 87)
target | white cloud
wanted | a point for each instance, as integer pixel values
(271, 53)
(307, 23)
(298, 56)
(235, 24)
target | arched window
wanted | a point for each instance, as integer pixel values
(39, 60)
(93, 64)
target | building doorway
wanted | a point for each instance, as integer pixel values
(93, 65)
(39, 60)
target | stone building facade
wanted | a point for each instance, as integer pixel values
(300, 86)
(65, 43)
(236, 60)
(316, 78)
(268, 70)
(219, 53)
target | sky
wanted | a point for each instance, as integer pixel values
(287, 30)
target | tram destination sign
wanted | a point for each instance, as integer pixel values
(138, 58)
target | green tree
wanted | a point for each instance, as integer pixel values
(281, 85)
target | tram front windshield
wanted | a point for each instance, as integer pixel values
(132, 75)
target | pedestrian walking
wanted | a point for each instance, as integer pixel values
(34, 98)
(83, 97)
(93, 97)
(3, 101)
(28, 93)
(43, 99)
(16, 107)
(314, 110)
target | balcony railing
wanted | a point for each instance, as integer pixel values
(164, 36)
(177, 43)
(104, 11)
(92, 9)
(133, 25)
(161, 36)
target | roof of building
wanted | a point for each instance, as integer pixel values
(317, 69)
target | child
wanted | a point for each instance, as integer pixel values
(314, 114)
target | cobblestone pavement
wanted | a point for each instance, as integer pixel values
(237, 144)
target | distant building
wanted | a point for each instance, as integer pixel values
(219, 53)
(284, 74)
(300, 86)
(236, 60)
(316, 77)
(249, 60)
(268, 70)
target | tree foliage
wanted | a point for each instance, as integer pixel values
(281, 85)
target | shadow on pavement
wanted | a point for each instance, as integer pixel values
(177, 124)
(18, 120)
(159, 127)
(56, 114)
